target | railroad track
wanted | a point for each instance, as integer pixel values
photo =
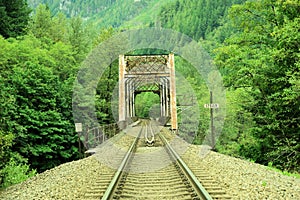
(149, 134)
(151, 169)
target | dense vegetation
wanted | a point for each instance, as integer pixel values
(75, 8)
(201, 17)
(254, 44)
(262, 60)
(14, 16)
(37, 73)
(108, 13)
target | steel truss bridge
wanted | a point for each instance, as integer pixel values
(147, 73)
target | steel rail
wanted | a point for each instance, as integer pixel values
(149, 142)
(198, 187)
(113, 184)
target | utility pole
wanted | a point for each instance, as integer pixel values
(212, 106)
(213, 142)
(78, 129)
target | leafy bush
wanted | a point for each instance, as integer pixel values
(16, 171)
(6, 140)
(13, 167)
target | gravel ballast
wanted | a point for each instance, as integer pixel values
(246, 180)
(241, 179)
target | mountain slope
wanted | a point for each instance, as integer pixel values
(196, 18)
(105, 13)
(71, 8)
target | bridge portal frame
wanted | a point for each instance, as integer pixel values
(146, 70)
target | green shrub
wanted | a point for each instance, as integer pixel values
(16, 171)
(6, 141)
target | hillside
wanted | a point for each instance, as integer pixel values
(73, 8)
(105, 13)
(194, 18)
(201, 17)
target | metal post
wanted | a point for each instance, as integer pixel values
(103, 136)
(79, 146)
(213, 142)
(122, 103)
(173, 107)
(161, 100)
(164, 99)
(95, 134)
(78, 129)
(133, 103)
(86, 139)
(167, 98)
(127, 98)
(129, 104)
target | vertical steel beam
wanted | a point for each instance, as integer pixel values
(173, 108)
(131, 97)
(161, 98)
(167, 104)
(133, 103)
(128, 102)
(165, 98)
(127, 99)
(122, 101)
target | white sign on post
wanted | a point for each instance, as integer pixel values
(78, 127)
(212, 105)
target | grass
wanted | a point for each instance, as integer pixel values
(284, 172)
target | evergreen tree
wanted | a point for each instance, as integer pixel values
(195, 18)
(263, 58)
(14, 17)
(41, 23)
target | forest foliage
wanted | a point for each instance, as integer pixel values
(254, 44)
(262, 58)
(201, 17)
(14, 17)
(38, 69)
(108, 13)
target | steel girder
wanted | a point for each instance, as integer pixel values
(155, 73)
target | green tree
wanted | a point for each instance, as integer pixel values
(79, 37)
(14, 17)
(107, 82)
(43, 128)
(200, 17)
(63, 63)
(59, 28)
(6, 141)
(53, 29)
(36, 87)
(146, 105)
(263, 57)
(41, 23)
